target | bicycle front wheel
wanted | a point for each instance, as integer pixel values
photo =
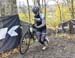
(25, 43)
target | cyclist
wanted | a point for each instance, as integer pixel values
(40, 25)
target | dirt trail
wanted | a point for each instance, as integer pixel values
(58, 48)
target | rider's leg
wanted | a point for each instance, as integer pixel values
(38, 35)
(41, 36)
(44, 39)
(44, 36)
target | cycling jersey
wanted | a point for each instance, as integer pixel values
(38, 21)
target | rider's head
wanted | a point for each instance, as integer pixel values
(35, 9)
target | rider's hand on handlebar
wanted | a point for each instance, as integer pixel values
(35, 26)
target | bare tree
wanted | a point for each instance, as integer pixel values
(34, 2)
(42, 3)
(38, 2)
(29, 10)
(8, 7)
(72, 9)
(13, 7)
(45, 8)
(2, 8)
(59, 10)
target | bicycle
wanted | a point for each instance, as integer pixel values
(26, 39)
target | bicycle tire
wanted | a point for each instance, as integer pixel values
(25, 43)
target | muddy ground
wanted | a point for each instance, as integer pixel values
(58, 48)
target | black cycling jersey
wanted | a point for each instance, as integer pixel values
(38, 21)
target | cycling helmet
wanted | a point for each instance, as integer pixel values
(35, 9)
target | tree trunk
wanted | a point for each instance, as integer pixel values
(2, 8)
(8, 7)
(29, 11)
(34, 2)
(45, 8)
(38, 2)
(72, 9)
(59, 10)
(42, 3)
(13, 6)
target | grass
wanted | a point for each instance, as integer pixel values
(65, 35)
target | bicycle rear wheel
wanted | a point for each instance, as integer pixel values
(25, 43)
